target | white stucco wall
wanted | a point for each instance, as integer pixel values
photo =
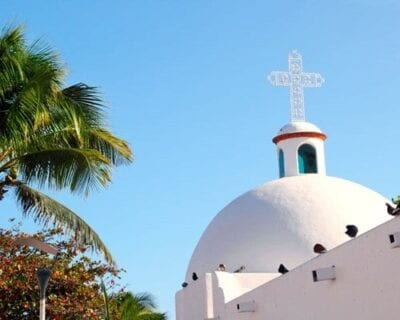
(195, 301)
(207, 297)
(366, 287)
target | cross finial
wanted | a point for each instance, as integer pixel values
(296, 80)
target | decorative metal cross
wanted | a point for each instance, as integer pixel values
(296, 80)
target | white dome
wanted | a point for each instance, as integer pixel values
(299, 126)
(280, 221)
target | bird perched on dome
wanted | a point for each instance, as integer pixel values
(241, 269)
(221, 267)
(319, 248)
(351, 230)
(393, 211)
(184, 284)
(282, 269)
(194, 276)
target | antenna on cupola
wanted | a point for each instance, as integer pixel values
(300, 144)
(296, 80)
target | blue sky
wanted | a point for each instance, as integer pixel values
(185, 82)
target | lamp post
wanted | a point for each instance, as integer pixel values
(42, 274)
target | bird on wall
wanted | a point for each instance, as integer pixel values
(319, 248)
(194, 276)
(221, 267)
(184, 285)
(241, 269)
(393, 211)
(351, 230)
(282, 269)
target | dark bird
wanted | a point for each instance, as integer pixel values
(221, 267)
(282, 269)
(319, 248)
(392, 210)
(241, 269)
(351, 230)
(184, 285)
(194, 276)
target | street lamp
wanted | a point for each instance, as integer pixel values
(42, 274)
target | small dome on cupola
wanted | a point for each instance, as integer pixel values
(296, 127)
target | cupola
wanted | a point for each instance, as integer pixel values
(300, 148)
(300, 144)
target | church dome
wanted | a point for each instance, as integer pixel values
(280, 221)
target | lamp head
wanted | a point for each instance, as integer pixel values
(43, 275)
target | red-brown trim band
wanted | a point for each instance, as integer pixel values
(286, 136)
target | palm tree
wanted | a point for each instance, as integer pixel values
(129, 306)
(51, 136)
(139, 307)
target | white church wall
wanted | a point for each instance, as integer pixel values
(196, 300)
(236, 284)
(206, 298)
(366, 287)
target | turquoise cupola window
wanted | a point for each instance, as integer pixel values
(307, 159)
(281, 164)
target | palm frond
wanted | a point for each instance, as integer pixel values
(146, 300)
(11, 39)
(152, 316)
(12, 48)
(106, 298)
(80, 170)
(84, 100)
(72, 132)
(142, 301)
(138, 306)
(113, 148)
(46, 210)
